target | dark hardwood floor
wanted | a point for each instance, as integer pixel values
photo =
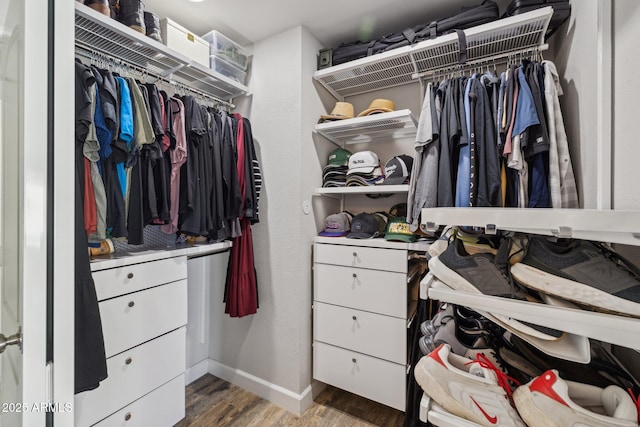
(212, 402)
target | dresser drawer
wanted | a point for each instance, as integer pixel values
(138, 317)
(381, 292)
(357, 256)
(131, 278)
(369, 333)
(363, 375)
(163, 407)
(133, 374)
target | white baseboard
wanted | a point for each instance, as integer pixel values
(289, 400)
(196, 371)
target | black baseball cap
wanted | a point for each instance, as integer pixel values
(397, 170)
(366, 226)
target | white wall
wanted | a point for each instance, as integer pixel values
(626, 173)
(575, 46)
(273, 347)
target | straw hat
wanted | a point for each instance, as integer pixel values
(379, 106)
(342, 110)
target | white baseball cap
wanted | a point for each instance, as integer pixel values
(363, 162)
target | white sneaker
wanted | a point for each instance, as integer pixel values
(550, 401)
(472, 389)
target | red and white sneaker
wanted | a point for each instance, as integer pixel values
(472, 389)
(550, 401)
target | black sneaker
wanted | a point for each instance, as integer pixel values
(586, 273)
(485, 274)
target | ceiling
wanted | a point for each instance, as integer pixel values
(330, 21)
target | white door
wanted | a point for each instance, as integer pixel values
(23, 214)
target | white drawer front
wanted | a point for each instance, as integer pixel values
(131, 278)
(381, 292)
(163, 407)
(355, 256)
(133, 374)
(374, 334)
(135, 318)
(363, 375)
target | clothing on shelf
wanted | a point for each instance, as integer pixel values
(498, 141)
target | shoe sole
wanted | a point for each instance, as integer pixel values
(528, 411)
(570, 290)
(459, 283)
(434, 389)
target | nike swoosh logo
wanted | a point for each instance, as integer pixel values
(492, 420)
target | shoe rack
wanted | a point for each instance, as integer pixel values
(611, 226)
(618, 330)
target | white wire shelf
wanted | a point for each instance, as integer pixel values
(99, 33)
(611, 226)
(399, 66)
(385, 127)
(371, 189)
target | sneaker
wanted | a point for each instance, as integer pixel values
(549, 401)
(472, 389)
(485, 274)
(587, 273)
(461, 339)
(429, 327)
(463, 342)
(597, 372)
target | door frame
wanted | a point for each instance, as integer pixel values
(62, 191)
(33, 213)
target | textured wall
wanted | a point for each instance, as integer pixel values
(274, 345)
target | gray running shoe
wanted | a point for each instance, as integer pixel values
(430, 327)
(587, 273)
(485, 274)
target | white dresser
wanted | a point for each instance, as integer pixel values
(362, 305)
(143, 306)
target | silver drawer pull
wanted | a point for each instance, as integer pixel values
(354, 318)
(128, 361)
(130, 276)
(131, 304)
(355, 254)
(355, 275)
(127, 416)
(353, 360)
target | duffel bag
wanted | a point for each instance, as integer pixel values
(487, 11)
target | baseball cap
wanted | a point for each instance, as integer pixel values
(398, 229)
(339, 157)
(363, 162)
(399, 209)
(336, 225)
(398, 170)
(366, 226)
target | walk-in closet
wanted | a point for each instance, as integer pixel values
(297, 213)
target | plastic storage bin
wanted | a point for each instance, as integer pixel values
(227, 69)
(225, 48)
(185, 42)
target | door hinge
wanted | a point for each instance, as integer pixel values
(49, 382)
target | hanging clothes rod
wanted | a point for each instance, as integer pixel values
(100, 57)
(506, 56)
